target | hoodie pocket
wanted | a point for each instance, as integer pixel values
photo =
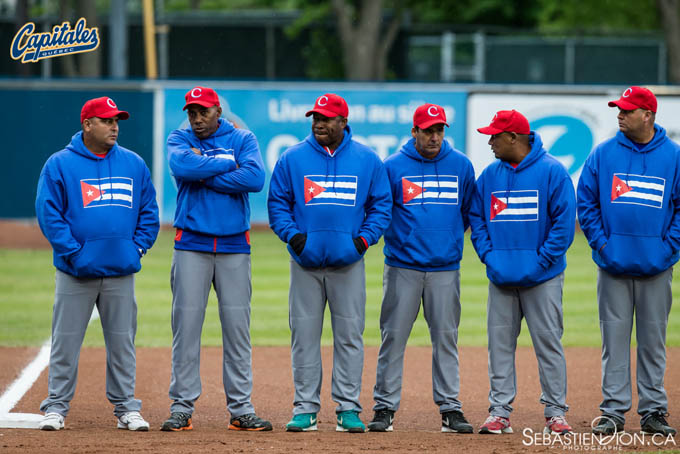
(516, 267)
(328, 248)
(636, 255)
(106, 257)
(432, 247)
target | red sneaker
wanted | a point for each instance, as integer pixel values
(496, 425)
(557, 425)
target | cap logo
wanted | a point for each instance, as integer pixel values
(110, 103)
(194, 95)
(494, 117)
(429, 111)
(627, 92)
(322, 98)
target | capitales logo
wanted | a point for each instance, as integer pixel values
(588, 441)
(63, 40)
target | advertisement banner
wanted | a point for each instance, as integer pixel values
(380, 119)
(569, 125)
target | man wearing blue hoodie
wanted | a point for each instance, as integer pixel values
(629, 210)
(432, 189)
(96, 205)
(215, 166)
(329, 199)
(523, 221)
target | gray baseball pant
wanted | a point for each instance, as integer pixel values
(345, 290)
(403, 290)
(541, 306)
(649, 299)
(192, 275)
(74, 300)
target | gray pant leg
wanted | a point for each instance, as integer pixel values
(346, 290)
(653, 299)
(542, 309)
(233, 288)
(504, 322)
(190, 279)
(441, 307)
(402, 292)
(118, 315)
(74, 300)
(615, 304)
(306, 305)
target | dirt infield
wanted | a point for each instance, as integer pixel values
(90, 427)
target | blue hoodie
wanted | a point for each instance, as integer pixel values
(523, 218)
(99, 214)
(427, 228)
(332, 199)
(629, 202)
(213, 212)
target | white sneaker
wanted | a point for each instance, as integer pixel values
(51, 421)
(132, 420)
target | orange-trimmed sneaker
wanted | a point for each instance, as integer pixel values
(557, 425)
(496, 425)
(251, 422)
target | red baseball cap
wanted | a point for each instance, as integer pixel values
(330, 105)
(428, 115)
(202, 96)
(635, 98)
(103, 107)
(507, 121)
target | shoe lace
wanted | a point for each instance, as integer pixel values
(383, 415)
(182, 417)
(134, 416)
(500, 419)
(661, 418)
(561, 420)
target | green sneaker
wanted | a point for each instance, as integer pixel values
(348, 421)
(304, 422)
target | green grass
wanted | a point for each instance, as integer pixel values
(27, 293)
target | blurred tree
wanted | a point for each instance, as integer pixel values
(87, 64)
(669, 12)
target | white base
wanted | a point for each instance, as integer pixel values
(20, 421)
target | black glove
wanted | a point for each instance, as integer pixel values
(297, 243)
(360, 245)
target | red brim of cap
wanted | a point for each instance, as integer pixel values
(324, 112)
(122, 115)
(622, 104)
(199, 102)
(427, 124)
(489, 130)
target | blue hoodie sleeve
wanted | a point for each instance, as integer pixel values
(378, 205)
(673, 233)
(589, 210)
(187, 165)
(480, 234)
(49, 208)
(468, 189)
(280, 202)
(249, 174)
(148, 223)
(562, 212)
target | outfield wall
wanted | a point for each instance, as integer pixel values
(41, 116)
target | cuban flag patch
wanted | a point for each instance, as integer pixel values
(638, 190)
(109, 191)
(330, 190)
(514, 206)
(220, 153)
(430, 189)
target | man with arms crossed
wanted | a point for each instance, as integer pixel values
(215, 166)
